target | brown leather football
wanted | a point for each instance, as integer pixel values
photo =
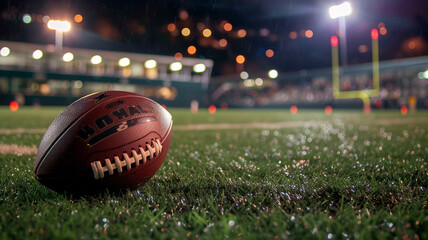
(106, 140)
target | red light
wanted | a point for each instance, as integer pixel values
(334, 41)
(14, 106)
(164, 106)
(212, 109)
(328, 110)
(403, 110)
(293, 110)
(375, 33)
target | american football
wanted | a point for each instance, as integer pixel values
(106, 140)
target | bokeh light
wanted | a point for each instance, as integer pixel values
(249, 83)
(5, 51)
(374, 33)
(227, 27)
(334, 41)
(273, 73)
(178, 56)
(222, 42)
(212, 109)
(264, 32)
(328, 110)
(124, 62)
(185, 32)
(151, 63)
(383, 31)
(191, 50)
(293, 110)
(206, 32)
(269, 53)
(96, 59)
(309, 33)
(46, 19)
(240, 59)
(183, 15)
(171, 27)
(13, 106)
(403, 110)
(292, 35)
(199, 68)
(68, 57)
(26, 18)
(78, 18)
(175, 66)
(244, 75)
(242, 33)
(363, 49)
(258, 82)
(37, 54)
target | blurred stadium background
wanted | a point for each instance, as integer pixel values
(238, 54)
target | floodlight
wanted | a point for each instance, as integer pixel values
(199, 68)
(175, 66)
(150, 64)
(340, 10)
(58, 25)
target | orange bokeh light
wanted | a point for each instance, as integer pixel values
(293, 110)
(171, 27)
(78, 18)
(191, 50)
(212, 109)
(309, 33)
(228, 27)
(222, 42)
(383, 31)
(328, 110)
(292, 35)
(242, 33)
(13, 106)
(178, 56)
(269, 53)
(403, 110)
(240, 59)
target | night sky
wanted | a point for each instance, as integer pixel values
(281, 26)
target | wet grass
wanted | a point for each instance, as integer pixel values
(347, 175)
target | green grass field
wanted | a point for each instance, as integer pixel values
(254, 174)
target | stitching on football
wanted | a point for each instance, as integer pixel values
(149, 153)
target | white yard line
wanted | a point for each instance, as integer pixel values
(21, 130)
(15, 149)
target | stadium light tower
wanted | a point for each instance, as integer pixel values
(341, 11)
(60, 27)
